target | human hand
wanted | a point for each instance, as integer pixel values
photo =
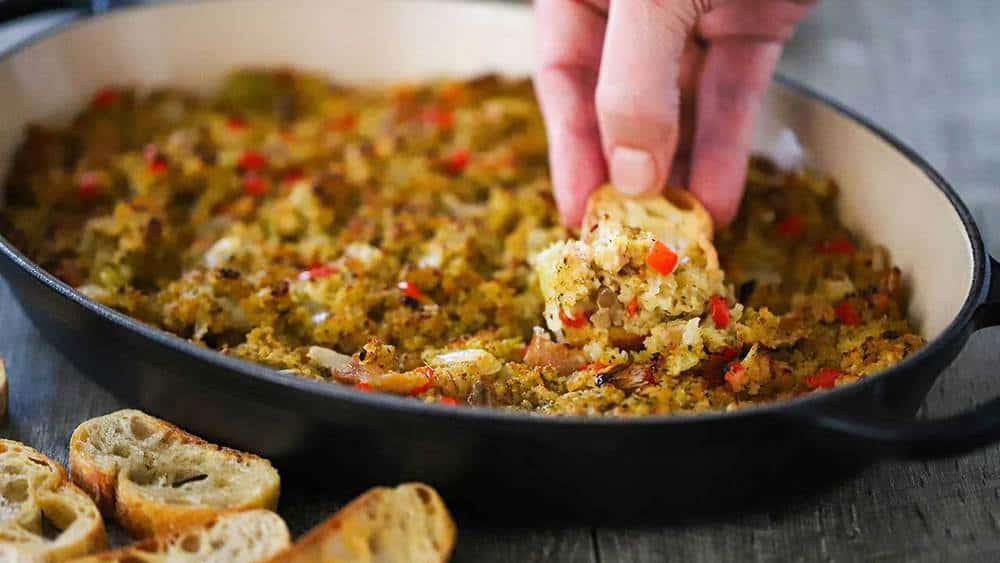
(643, 91)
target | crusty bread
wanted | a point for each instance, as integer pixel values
(43, 516)
(154, 477)
(668, 214)
(3, 390)
(672, 215)
(407, 524)
(234, 537)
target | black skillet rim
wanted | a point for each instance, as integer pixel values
(265, 375)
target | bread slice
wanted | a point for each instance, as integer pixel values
(43, 516)
(639, 264)
(154, 477)
(673, 212)
(234, 537)
(407, 524)
(3, 390)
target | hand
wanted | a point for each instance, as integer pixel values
(649, 90)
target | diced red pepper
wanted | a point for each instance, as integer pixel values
(105, 98)
(838, 245)
(661, 258)
(157, 166)
(789, 227)
(155, 161)
(363, 387)
(633, 307)
(293, 175)
(440, 118)
(318, 271)
(88, 187)
(824, 378)
(343, 123)
(457, 160)
(596, 366)
(570, 321)
(735, 375)
(847, 314)
(410, 289)
(728, 352)
(254, 185)
(252, 160)
(428, 373)
(720, 311)
(236, 123)
(452, 401)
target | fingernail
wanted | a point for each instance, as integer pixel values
(633, 171)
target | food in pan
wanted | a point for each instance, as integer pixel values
(390, 239)
(405, 523)
(253, 536)
(154, 477)
(35, 497)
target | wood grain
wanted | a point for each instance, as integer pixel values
(927, 71)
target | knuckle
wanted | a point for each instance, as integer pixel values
(686, 10)
(634, 104)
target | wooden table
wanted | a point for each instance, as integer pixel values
(926, 70)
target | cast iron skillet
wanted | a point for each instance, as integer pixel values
(481, 459)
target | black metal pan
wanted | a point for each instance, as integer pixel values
(479, 458)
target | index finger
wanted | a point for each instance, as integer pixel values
(570, 38)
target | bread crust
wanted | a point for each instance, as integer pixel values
(3, 390)
(104, 468)
(160, 548)
(52, 497)
(346, 536)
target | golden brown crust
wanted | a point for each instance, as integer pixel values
(368, 520)
(674, 209)
(51, 497)
(253, 535)
(136, 467)
(3, 390)
(92, 480)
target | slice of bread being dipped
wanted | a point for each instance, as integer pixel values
(235, 537)
(154, 477)
(406, 524)
(43, 516)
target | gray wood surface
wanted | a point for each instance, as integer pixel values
(926, 70)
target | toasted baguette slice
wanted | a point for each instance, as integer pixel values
(234, 537)
(3, 390)
(668, 215)
(154, 477)
(408, 524)
(35, 497)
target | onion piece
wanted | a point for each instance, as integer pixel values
(473, 361)
(329, 358)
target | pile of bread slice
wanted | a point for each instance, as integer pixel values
(189, 500)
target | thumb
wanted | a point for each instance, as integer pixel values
(637, 95)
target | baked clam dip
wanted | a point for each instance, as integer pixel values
(403, 239)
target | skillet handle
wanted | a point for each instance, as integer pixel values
(943, 437)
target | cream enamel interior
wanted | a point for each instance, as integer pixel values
(885, 197)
